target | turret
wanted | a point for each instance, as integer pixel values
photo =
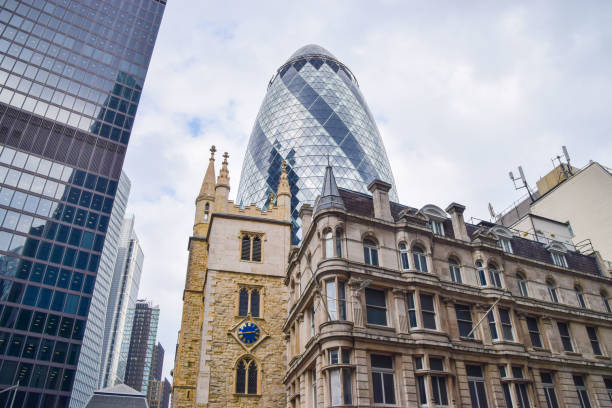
(283, 193)
(222, 187)
(206, 198)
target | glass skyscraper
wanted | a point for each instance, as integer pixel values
(71, 75)
(313, 115)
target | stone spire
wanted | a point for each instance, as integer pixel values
(208, 184)
(222, 188)
(283, 193)
(330, 196)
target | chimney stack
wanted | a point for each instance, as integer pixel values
(380, 197)
(456, 212)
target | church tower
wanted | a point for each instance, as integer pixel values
(231, 346)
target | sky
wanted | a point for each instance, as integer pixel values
(462, 93)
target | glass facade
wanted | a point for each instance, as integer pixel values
(313, 114)
(71, 74)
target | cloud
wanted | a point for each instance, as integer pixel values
(462, 94)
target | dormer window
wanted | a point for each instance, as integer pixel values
(557, 252)
(506, 245)
(504, 238)
(437, 227)
(435, 218)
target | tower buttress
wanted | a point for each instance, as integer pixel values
(206, 198)
(222, 188)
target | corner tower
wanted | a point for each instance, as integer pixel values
(313, 115)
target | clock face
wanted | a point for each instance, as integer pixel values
(249, 333)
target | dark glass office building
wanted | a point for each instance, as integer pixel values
(313, 115)
(71, 76)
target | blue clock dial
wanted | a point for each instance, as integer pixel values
(249, 333)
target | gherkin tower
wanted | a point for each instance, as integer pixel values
(313, 115)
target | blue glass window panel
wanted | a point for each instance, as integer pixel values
(77, 281)
(15, 293)
(316, 62)
(91, 181)
(51, 276)
(8, 265)
(94, 260)
(73, 354)
(79, 328)
(82, 260)
(58, 211)
(73, 195)
(17, 244)
(38, 322)
(30, 247)
(112, 188)
(62, 233)
(81, 216)
(307, 96)
(31, 204)
(37, 227)
(92, 220)
(96, 203)
(68, 214)
(296, 84)
(69, 257)
(46, 350)
(31, 347)
(4, 340)
(51, 230)
(52, 324)
(44, 250)
(23, 269)
(75, 237)
(71, 304)
(103, 224)
(58, 301)
(7, 373)
(44, 299)
(101, 184)
(57, 254)
(125, 138)
(60, 351)
(89, 284)
(84, 306)
(107, 207)
(66, 324)
(320, 110)
(23, 321)
(14, 349)
(79, 177)
(85, 199)
(64, 279)
(87, 240)
(9, 314)
(30, 296)
(37, 272)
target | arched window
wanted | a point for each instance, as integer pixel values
(552, 291)
(243, 302)
(404, 255)
(255, 303)
(328, 243)
(339, 242)
(605, 301)
(246, 376)
(580, 296)
(245, 252)
(494, 276)
(418, 255)
(455, 270)
(522, 285)
(370, 252)
(482, 276)
(206, 212)
(256, 249)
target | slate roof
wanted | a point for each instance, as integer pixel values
(361, 204)
(115, 396)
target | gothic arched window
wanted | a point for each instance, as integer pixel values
(243, 302)
(245, 253)
(206, 212)
(256, 249)
(255, 303)
(246, 376)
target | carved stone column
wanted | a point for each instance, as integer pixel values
(356, 302)
(399, 306)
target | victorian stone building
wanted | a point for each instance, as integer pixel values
(231, 347)
(391, 305)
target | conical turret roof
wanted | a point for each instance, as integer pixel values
(330, 196)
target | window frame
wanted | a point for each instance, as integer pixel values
(419, 258)
(250, 290)
(338, 242)
(495, 278)
(481, 273)
(429, 381)
(377, 307)
(605, 301)
(580, 296)
(552, 291)
(521, 282)
(506, 245)
(534, 334)
(454, 268)
(416, 313)
(404, 256)
(477, 381)
(344, 370)
(559, 259)
(437, 227)
(370, 252)
(382, 371)
(459, 321)
(338, 301)
(552, 401)
(328, 243)
(569, 346)
(249, 361)
(594, 340)
(252, 236)
(582, 391)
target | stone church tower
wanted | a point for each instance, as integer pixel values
(231, 347)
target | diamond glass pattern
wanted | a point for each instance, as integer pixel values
(312, 114)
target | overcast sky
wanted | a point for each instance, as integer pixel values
(461, 96)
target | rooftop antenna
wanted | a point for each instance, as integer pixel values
(491, 212)
(565, 167)
(523, 180)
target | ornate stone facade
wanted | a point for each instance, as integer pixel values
(395, 306)
(231, 346)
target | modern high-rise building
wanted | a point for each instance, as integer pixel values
(313, 115)
(122, 297)
(159, 393)
(71, 75)
(142, 344)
